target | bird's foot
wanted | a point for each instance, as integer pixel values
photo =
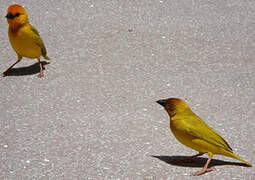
(198, 173)
(40, 75)
(5, 73)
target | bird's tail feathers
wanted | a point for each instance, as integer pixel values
(233, 155)
(47, 57)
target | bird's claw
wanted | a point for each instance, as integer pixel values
(203, 171)
(40, 75)
(4, 73)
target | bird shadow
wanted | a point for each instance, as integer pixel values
(29, 70)
(196, 162)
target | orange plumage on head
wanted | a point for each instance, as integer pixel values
(174, 105)
(16, 16)
(15, 8)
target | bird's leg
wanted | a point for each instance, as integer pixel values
(41, 69)
(188, 159)
(205, 168)
(5, 72)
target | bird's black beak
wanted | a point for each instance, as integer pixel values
(10, 16)
(162, 102)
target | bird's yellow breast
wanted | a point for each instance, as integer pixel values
(180, 135)
(23, 43)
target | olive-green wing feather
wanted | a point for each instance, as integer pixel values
(199, 129)
(39, 42)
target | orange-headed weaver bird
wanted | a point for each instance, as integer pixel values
(24, 38)
(193, 132)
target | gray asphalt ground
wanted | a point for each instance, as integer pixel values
(94, 116)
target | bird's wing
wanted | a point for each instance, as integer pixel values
(199, 129)
(38, 40)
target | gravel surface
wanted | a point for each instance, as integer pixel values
(94, 116)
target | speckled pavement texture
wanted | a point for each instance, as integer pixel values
(94, 116)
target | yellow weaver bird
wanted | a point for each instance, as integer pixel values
(193, 132)
(24, 38)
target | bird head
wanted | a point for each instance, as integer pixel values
(16, 16)
(174, 106)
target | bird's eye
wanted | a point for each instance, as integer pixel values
(17, 14)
